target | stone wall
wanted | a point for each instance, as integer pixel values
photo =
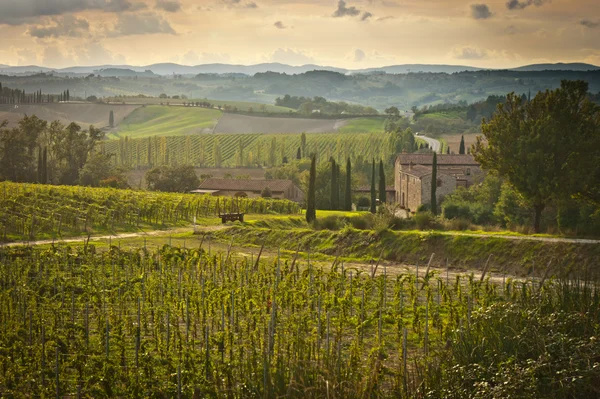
(446, 185)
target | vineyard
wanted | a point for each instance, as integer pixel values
(39, 211)
(185, 322)
(243, 149)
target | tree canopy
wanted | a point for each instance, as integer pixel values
(546, 148)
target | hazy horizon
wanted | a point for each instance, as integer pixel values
(352, 34)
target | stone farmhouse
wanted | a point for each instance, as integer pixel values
(412, 180)
(250, 188)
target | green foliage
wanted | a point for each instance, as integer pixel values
(307, 105)
(522, 141)
(424, 220)
(266, 193)
(181, 179)
(348, 187)
(373, 192)
(311, 207)
(382, 185)
(99, 171)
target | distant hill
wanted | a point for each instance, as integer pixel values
(576, 66)
(171, 68)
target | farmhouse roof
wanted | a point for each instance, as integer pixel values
(442, 159)
(418, 171)
(245, 185)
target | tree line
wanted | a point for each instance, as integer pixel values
(17, 96)
(52, 153)
(307, 105)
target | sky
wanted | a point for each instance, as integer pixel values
(350, 34)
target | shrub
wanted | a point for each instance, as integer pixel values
(424, 220)
(331, 222)
(363, 202)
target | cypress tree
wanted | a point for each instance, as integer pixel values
(382, 194)
(40, 166)
(373, 193)
(461, 149)
(448, 150)
(348, 192)
(111, 119)
(338, 191)
(334, 186)
(299, 154)
(45, 166)
(434, 184)
(311, 212)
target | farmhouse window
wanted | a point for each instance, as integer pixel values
(468, 172)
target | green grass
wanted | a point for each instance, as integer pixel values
(246, 105)
(363, 125)
(156, 120)
(444, 115)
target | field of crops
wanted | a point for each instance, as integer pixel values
(179, 322)
(363, 125)
(158, 120)
(35, 211)
(256, 149)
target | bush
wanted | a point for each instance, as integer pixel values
(331, 222)
(363, 202)
(362, 222)
(424, 220)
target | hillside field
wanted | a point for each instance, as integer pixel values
(84, 114)
(156, 120)
(243, 106)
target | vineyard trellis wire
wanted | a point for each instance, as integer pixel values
(28, 210)
(174, 321)
(258, 149)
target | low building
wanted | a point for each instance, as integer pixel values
(412, 180)
(250, 188)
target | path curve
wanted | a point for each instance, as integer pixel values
(433, 143)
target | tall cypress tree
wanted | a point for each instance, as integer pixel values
(311, 212)
(111, 119)
(45, 166)
(40, 166)
(373, 193)
(434, 185)
(299, 154)
(338, 191)
(461, 149)
(334, 186)
(382, 194)
(348, 192)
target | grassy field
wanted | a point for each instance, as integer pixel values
(363, 125)
(156, 120)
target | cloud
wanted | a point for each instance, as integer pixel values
(141, 24)
(67, 25)
(279, 25)
(589, 23)
(239, 4)
(519, 5)
(17, 12)
(168, 5)
(480, 11)
(290, 56)
(469, 53)
(381, 19)
(358, 55)
(344, 11)
(366, 15)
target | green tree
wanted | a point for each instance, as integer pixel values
(179, 179)
(311, 212)
(546, 148)
(98, 171)
(461, 148)
(434, 184)
(373, 192)
(266, 193)
(382, 191)
(348, 188)
(303, 144)
(335, 190)
(111, 119)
